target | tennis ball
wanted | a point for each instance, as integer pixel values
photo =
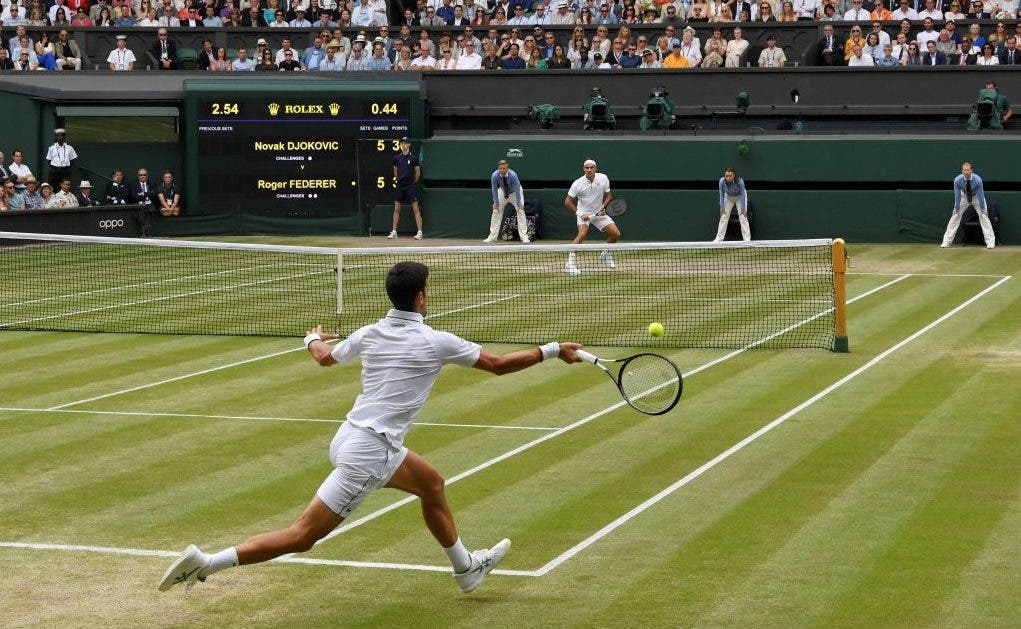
(656, 329)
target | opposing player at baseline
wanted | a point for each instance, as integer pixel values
(401, 359)
(587, 200)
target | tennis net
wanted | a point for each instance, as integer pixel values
(776, 294)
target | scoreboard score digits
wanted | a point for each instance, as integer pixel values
(309, 155)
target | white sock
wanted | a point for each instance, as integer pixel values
(459, 556)
(226, 558)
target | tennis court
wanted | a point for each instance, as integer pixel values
(790, 486)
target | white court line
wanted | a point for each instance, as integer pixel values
(609, 528)
(143, 552)
(985, 275)
(240, 362)
(256, 418)
(581, 422)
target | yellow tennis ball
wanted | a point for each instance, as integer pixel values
(656, 329)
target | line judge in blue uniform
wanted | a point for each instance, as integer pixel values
(407, 172)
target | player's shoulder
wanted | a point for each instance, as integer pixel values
(602, 178)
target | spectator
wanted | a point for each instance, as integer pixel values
(829, 13)
(912, 58)
(292, 64)
(946, 45)
(45, 57)
(11, 199)
(884, 37)
(987, 58)
(84, 196)
(564, 17)
(58, 5)
(872, 47)
(736, 47)
(254, 18)
(927, 34)
(690, 48)
(887, 60)
(33, 200)
(164, 51)
(978, 12)
(828, 48)
(81, 18)
(211, 19)
(332, 62)
(1006, 10)
(314, 54)
(855, 39)
(266, 62)
(1009, 56)
(904, 11)
(64, 198)
(359, 59)
(242, 63)
(649, 61)
(606, 16)
(403, 62)
(787, 13)
(285, 45)
(954, 13)
(379, 62)
(207, 55)
(930, 11)
(975, 32)
(149, 20)
(46, 193)
(117, 192)
(715, 50)
(492, 60)
(364, 15)
(18, 170)
(513, 60)
(5, 60)
(278, 20)
(142, 191)
(221, 62)
(96, 8)
(860, 58)
(536, 62)
(124, 19)
(676, 59)
(559, 60)
(168, 18)
(772, 56)
(104, 19)
(469, 59)
(765, 13)
(14, 16)
(5, 172)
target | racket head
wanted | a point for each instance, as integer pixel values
(616, 207)
(650, 383)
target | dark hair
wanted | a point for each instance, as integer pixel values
(404, 282)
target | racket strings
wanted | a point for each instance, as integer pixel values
(650, 383)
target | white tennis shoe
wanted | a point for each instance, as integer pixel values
(490, 239)
(525, 240)
(392, 235)
(483, 562)
(185, 569)
(607, 259)
(419, 236)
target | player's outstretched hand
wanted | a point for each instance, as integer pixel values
(569, 352)
(325, 336)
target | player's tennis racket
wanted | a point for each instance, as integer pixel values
(614, 208)
(650, 383)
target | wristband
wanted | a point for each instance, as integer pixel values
(550, 350)
(311, 337)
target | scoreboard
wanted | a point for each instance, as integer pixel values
(312, 153)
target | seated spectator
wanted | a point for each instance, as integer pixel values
(292, 64)
(37, 17)
(946, 45)
(513, 60)
(168, 194)
(211, 19)
(881, 14)
(1006, 10)
(913, 58)
(207, 55)
(124, 18)
(33, 200)
(954, 12)
(649, 61)
(690, 48)
(887, 60)
(855, 39)
(1009, 56)
(104, 18)
(676, 59)
(243, 63)
(220, 63)
(975, 32)
(46, 194)
(629, 60)
(425, 61)
(933, 57)
(84, 196)
(314, 54)
(279, 21)
(69, 55)
(333, 61)
(81, 18)
(765, 13)
(988, 57)
(787, 13)
(978, 12)
(254, 18)
(469, 59)
(266, 62)
(860, 58)
(829, 13)
(45, 58)
(904, 11)
(117, 192)
(492, 60)
(5, 60)
(300, 21)
(872, 47)
(61, 18)
(736, 48)
(536, 62)
(64, 197)
(930, 11)
(11, 198)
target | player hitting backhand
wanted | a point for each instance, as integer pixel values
(401, 359)
(587, 200)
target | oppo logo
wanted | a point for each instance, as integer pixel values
(111, 224)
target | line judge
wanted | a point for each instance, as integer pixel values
(506, 188)
(969, 192)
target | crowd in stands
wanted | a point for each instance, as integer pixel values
(372, 35)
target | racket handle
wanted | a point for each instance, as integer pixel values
(589, 358)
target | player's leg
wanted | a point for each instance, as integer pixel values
(397, 217)
(955, 222)
(418, 218)
(582, 232)
(417, 476)
(606, 225)
(987, 229)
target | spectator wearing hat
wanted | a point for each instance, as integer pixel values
(563, 15)
(772, 56)
(243, 63)
(676, 59)
(121, 59)
(649, 61)
(33, 200)
(299, 20)
(333, 61)
(46, 192)
(261, 46)
(84, 195)
(59, 156)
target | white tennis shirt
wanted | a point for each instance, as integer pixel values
(589, 193)
(401, 358)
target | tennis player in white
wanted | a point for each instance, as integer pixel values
(587, 200)
(401, 358)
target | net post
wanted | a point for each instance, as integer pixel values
(340, 282)
(840, 343)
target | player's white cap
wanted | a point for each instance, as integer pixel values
(589, 162)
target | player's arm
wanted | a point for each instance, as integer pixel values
(321, 352)
(569, 203)
(522, 359)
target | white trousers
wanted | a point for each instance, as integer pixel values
(731, 203)
(497, 217)
(955, 222)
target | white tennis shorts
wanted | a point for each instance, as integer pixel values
(599, 221)
(362, 461)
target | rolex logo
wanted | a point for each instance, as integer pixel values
(274, 109)
(334, 109)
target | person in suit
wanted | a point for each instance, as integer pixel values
(164, 51)
(968, 55)
(978, 13)
(84, 195)
(933, 57)
(143, 191)
(1010, 56)
(207, 55)
(830, 49)
(117, 192)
